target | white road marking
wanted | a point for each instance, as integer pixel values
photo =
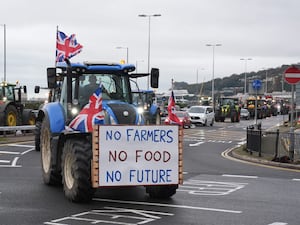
(22, 146)
(9, 152)
(196, 144)
(4, 161)
(112, 215)
(201, 187)
(239, 176)
(14, 162)
(167, 205)
(29, 150)
(278, 223)
(295, 179)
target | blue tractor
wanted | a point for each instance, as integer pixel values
(66, 154)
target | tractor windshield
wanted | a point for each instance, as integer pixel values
(6, 93)
(114, 87)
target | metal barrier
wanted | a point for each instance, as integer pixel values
(273, 143)
(6, 129)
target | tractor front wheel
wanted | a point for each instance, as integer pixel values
(11, 116)
(51, 175)
(76, 170)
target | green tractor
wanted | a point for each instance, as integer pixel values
(12, 109)
(227, 107)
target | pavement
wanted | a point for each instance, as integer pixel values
(237, 153)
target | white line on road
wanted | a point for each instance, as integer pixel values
(196, 144)
(239, 176)
(23, 146)
(278, 223)
(4, 161)
(167, 205)
(8, 152)
(14, 162)
(29, 150)
(295, 179)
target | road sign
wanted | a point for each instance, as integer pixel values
(256, 84)
(292, 75)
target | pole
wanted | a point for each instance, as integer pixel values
(292, 134)
(4, 52)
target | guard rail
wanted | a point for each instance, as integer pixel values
(6, 129)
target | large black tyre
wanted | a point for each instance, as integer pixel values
(161, 191)
(51, 175)
(11, 116)
(37, 133)
(76, 170)
(28, 117)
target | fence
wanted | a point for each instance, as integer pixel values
(273, 143)
(9, 129)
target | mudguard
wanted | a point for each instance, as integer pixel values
(56, 115)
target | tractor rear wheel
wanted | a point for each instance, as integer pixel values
(161, 191)
(76, 170)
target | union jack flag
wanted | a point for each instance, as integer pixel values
(92, 113)
(171, 110)
(66, 47)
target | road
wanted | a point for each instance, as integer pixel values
(216, 190)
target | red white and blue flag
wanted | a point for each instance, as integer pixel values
(91, 114)
(171, 110)
(66, 47)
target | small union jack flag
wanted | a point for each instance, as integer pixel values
(171, 110)
(66, 47)
(91, 114)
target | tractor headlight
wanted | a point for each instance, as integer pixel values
(74, 111)
(140, 110)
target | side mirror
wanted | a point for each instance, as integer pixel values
(25, 89)
(37, 89)
(51, 77)
(154, 77)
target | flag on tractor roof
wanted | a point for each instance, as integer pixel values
(66, 47)
(91, 114)
(171, 110)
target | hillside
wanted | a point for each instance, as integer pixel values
(235, 83)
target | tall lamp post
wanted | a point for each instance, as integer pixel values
(245, 59)
(213, 72)
(120, 47)
(4, 52)
(149, 22)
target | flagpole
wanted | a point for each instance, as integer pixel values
(56, 45)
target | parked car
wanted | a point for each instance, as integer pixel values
(245, 114)
(184, 118)
(202, 115)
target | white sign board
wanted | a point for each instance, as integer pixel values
(138, 155)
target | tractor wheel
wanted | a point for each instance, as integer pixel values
(37, 133)
(11, 116)
(161, 191)
(76, 170)
(28, 117)
(51, 175)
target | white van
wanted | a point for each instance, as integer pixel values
(202, 115)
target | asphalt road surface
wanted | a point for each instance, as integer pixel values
(216, 190)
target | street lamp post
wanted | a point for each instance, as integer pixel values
(120, 47)
(149, 22)
(213, 72)
(245, 59)
(4, 52)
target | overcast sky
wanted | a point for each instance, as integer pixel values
(268, 31)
